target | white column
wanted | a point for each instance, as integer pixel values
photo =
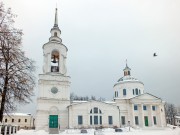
(61, 60)
(5, 130)
(9, 130)
(48, 63)
(151, 116)
(133, 121)
(160, 116)
(142, 115)
(0, 129)
(65, 69)
(13, 130)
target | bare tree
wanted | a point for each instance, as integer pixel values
(84, 98)
(171, 112)
(17, 78)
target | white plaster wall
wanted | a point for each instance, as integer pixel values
(84, 110)
(129, 86)
(44, 110)
(22, 122)
(47, 82)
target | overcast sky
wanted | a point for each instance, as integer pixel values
(101, 35)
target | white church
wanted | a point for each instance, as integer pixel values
(131, 106)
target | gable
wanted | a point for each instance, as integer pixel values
(146, 98)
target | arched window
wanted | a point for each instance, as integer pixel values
(133, 91)
(136, 91)
(91, 111)
(95, 110)
(100, 111)
(55, 34)
(124, 92)
(139, 91)
(95, 116)
(5, 120)
(116, 93)
(55, 61)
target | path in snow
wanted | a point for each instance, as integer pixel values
(166, 131)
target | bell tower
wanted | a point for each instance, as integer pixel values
(55, 52)
(54, 84)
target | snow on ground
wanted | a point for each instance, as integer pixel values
(148, 131)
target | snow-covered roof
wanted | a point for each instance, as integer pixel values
(19, 114)
(110, 102)
(78, 101)
(177, 117)
(127, 78)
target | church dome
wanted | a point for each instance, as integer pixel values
(128, 86)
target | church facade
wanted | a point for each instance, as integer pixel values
(130, 106)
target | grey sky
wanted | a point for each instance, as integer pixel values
(101, 35)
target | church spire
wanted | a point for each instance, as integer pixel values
(56, 18)
(55, 31)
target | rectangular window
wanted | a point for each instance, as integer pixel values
(124, 92)
(133, 91)
(154, 118)
(100, 120)
(123, 120)
(135, 107)
(12, 120)
(144, 107)
(25, 120)
(80, 120)
(90, 120)
(153, 108)
(110, 120)
(19, 120)
(136, 120)
(95, 120)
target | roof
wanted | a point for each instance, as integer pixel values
(126, 68)
(126, 79)
(18, 114)
(177, 117)
(85, 102)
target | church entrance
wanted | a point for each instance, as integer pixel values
(146, 121)
(53, 121)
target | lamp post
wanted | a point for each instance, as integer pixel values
(129, 125)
